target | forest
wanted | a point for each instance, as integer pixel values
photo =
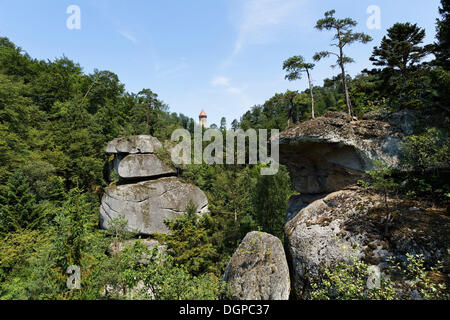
(56, 120)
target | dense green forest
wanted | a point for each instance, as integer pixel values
(55, 122)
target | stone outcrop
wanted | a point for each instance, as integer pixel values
(158, 195)
(134, 144)
(350, 224)
(332, 152)
(142, 166)
(332, 220)
(145, 205)
(258, 269)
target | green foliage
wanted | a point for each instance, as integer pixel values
(344, 36)
(295, 66)
(349, 282)
(442, 50)
(18, 207)
(190, 244)
(427, 151)
(270, 202)
(401, 48)
(380, 178)
(159, 279)
(56, 120)
(419, 278)
(401, 281)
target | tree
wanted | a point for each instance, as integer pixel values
(344, 36)
(18, 207)
(400, 49)
(295, 66)
(290, 98)
(270, 200)
(442, 50)
(381, 179)
(235, 124)
(399, 55)
(223, 124)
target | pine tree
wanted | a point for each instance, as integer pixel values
(442, 50)
(18, 207)
(344, 36)
(295, 66)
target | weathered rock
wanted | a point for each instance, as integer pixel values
(405, 119)
(146, 205)
(299, 202)
(258, 269)
(332, 152)
(350, 223)
(134, 144)
(141, 166)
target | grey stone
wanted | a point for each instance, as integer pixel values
(142, 166)
(258, 270)
(346, 225)
(145, 205)
(330, 153)
(134, 144)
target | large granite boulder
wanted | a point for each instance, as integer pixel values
(134, 144)
(142, 166)
(332, 152)
(145, 205)
(135, 158)
(350, 224)
(258, 269)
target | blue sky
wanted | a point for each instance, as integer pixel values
(221, 55)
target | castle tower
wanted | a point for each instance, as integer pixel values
(202, 118)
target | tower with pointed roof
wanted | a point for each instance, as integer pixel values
(202, 118)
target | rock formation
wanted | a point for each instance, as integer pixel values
(158, 195)
(350, 224)
(258, 269)
(332, 220)
(331, 152)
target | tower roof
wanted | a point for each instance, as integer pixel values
(203, 113)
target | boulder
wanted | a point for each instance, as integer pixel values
(329, 153)
(145, 205)
(258, 270)
(133, 145)
(350, 224)
(142, 166)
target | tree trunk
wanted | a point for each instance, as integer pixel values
(344, 78)
(312, 95)
(347, 95)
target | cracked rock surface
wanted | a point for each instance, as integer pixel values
(145, 205)
(258, 269)
(159, 195)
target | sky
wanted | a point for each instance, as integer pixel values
(224, 56)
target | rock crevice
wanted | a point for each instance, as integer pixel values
(148, 193)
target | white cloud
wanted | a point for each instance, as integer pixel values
(259, 17)
(128, 36)
(233, 90)
(225, 83)
(220, 81)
